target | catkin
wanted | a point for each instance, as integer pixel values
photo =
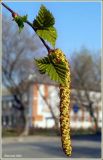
(65, 106)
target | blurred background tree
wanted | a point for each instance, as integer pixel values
(18, 69)
(86, 76)
(18, 51)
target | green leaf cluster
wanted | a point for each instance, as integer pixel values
(56, 71)
(20, 21)
(44, 24)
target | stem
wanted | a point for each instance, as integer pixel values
(30, 24)
(47, 47)
(10, 10)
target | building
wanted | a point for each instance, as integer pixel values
(43, 97)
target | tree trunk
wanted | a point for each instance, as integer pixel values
(25, 116)
(93, 116)
(25, 131)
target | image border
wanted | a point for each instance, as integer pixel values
(0, 80)
(99, 1)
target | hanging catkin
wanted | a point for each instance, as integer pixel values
(64, 105)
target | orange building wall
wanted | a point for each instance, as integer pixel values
(35, 115)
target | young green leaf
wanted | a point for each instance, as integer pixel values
(44, 19)
(20, 21)
(48, 34)
(56, 71)
(44, 24)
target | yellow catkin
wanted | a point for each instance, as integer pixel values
(65, 106)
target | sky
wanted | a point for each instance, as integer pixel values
(78, 24)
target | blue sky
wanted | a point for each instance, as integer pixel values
(78, 23)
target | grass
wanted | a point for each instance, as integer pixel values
(44, 132)
(9, 133)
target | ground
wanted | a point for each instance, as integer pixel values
(84, 146)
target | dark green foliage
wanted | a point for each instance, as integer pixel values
(20, 21)
(44, 19)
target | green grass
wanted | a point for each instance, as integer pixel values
(9, 133)
(44, 132)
